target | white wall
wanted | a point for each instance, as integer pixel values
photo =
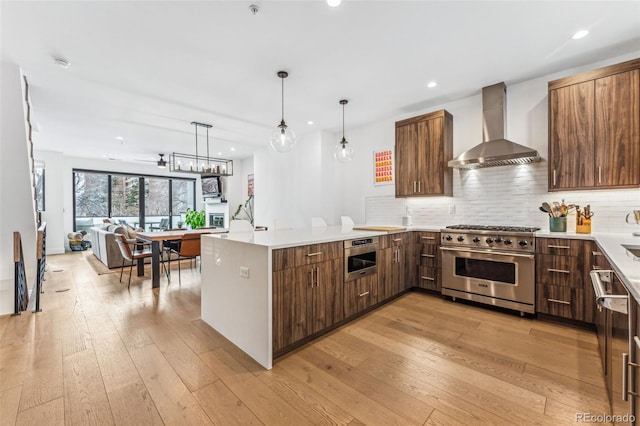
(17, 210)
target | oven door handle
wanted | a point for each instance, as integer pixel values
(500, 253)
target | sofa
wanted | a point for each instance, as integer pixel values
(105, 248)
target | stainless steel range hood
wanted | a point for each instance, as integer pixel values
(495, 150)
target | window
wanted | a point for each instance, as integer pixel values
(98, 195)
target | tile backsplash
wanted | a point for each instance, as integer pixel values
(508, 195)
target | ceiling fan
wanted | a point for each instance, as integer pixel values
(160, 162)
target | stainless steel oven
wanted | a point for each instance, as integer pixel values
(360, 257)
(491, 266)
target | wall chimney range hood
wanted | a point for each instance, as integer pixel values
(495, 150)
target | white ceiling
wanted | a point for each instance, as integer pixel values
(144, 70)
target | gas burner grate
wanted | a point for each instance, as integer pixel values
(494, 228)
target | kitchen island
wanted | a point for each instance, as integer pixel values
(237, 287)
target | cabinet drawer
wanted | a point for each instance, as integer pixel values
(428, 255)
(560, 246)
(360, 294)
(559, 270)
(306, 255)
(395, 240)
(429, 278)
(566, 302)
(428, 237)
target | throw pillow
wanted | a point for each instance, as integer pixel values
(131, 234)
(120, 229)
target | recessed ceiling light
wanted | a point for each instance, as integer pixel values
(334, 3)
(431, 84)
(580, 34)
(232, 149)
(120, 138)
(310, 123)
(62, 63)
(219, 153)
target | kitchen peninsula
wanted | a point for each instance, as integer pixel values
(237, 280)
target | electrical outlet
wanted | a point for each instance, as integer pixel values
(452, 209)
(244, 272)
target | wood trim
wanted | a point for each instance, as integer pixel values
(17, 242)
(436, 114)
(594, 74)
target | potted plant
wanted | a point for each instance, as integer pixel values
(195, 219)
(245, 211)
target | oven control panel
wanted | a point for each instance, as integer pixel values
(494, 240)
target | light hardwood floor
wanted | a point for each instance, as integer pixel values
(100, 354)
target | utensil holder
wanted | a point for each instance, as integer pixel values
(558, 224)
(585, 228)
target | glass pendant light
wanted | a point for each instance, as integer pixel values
(283, 139)
(343, 151)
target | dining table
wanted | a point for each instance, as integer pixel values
(155, 238)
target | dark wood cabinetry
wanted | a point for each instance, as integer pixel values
(424, 145)
(395, 271)
(562, 284)
(428, 260)
(594, 129)
(307, 292)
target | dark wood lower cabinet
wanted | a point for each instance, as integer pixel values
(428, 261)
(560, 301)
(306, 300)
(360, 294)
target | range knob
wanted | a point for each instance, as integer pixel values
(476, 240)
(461, 238)
(522, 243)
(498, 240)
(507, 241)
(489, 240)
(448, 238)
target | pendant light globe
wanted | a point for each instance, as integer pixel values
(343, 152)
(283, 139)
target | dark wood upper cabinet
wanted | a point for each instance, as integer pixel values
(424, 145)
(594, 129)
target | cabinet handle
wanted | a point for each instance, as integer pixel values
(396, 256)
(637, 340)
(600, 181)
(428, 278)
(395, 240)
(428, 238)
(559, 247)
(562, 271)
(595, 268)
(414, 186)
(625, 373)
(596, 253)
(317, 277)
(554, 177)
(318, 253)
(428, 255)
(563, 302)
(419, 186)
(363, 294)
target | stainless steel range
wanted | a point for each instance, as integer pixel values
(490, 264)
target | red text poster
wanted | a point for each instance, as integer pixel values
(383, 167)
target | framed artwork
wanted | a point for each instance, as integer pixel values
(383, 167)
(249, 184)
(39, 178)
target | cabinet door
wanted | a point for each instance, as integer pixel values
(291, 289)
(406, 155)
(571, 136)
(406, 268)
(386, 258)
(617, 129)
(327, 295)
(430, 157)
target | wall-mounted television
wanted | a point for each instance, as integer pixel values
(211, 187)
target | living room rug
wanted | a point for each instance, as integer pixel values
(97, 265)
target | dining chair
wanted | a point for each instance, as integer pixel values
(318, 222)
(162, 226)
(189, 248)
(131, 255)
(240, 226)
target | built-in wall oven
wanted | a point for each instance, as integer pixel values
(490, 264)
(360, 257)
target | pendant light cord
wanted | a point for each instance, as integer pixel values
(282, 78)
(343, 123)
